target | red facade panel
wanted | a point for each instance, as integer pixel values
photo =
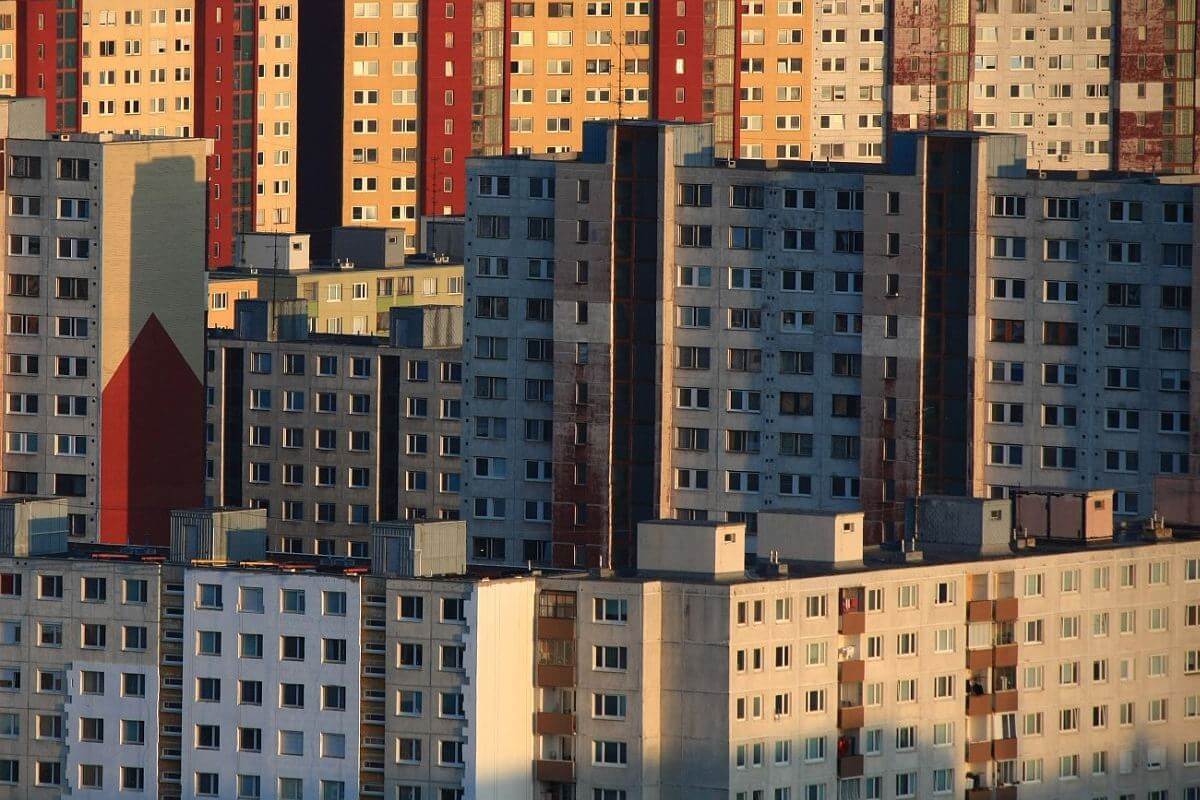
(146, 467)
(38, 50)
(446, 103)
(678, 61)
(214, 119)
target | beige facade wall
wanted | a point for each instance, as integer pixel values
(139, 67)
(140, 236)
(572, 68)
(776, 80)
(380, 114)
(8, 47)
(277, 98)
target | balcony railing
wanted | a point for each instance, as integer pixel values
(554, 771)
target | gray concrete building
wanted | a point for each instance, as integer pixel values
(331, 433)
(652, 333)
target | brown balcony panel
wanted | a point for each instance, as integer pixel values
(850, 717)
(1005, 793)
(1006, 610)
(1004, 749)
(547, 723)
(979, 752)
(555, 628)
(979, 794)
(978, 705)
(555, 675)
(1005, 655)
(851, 671)
(850, 766)
(979, 611)
(979, 659)
(1005, 701)
(851, 623)
(554, 771)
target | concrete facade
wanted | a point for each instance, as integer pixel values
(76, 628)
(92, 251)
(779, 351)
(331, 433)
(280, 651)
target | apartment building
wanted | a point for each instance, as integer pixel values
(352, 293)
(503, 79)
(789, 344)
(80, 651)
(1055, 660)
(452, 652)
(103, 391)
(271, 680)
(863, 678)
(149, 67)
(331, 433)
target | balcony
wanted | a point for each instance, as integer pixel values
(555, 628)
(1006, 610)
(851, 671)
(979, 705)
(1004, 749)
(979, 794)
(1005, 793)
(850, 766)
(1005, 655)
(374, 742)
(850, 717)
(852, 623)
(979, 659)
(548, 723)
(554, 771)
(1004, 700)
(979, 611)
(979, 752)
(549, 675)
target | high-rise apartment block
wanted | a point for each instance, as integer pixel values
(79, 703)
(421, 89)
(104, 330)
(1010, 660)
(331, 433)
(651, 333)
(220, 69)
